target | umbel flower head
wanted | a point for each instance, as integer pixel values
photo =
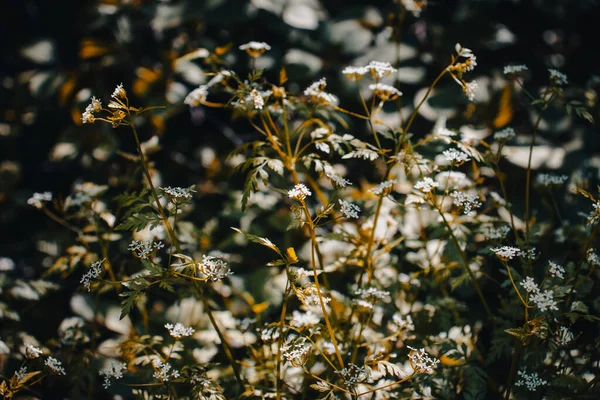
(255, 49)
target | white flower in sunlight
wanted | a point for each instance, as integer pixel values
(530, 381)
(514, 69)
(455, 156)
(162, 371)
(178, 330)
(255, 49)
(38, 199)
(32, 352)
(316, 92)
(420, 361)
(299, 192)
(55, 366)
(557, 77)
(214, 269)
(544, 300)
(93, 273)
(470, 88)
(380, 69)
(257, 99)
(385, 92)
(468, 202)
(196, 96)
(529, 285)
(506, 253)
(302, 320)
(114, 370)
(426, 185)
(119, 92)
(556, 270)
(144, 249)
(505, 134)
(355, 73)
(348, 209)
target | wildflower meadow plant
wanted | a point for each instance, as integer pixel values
(355, 256)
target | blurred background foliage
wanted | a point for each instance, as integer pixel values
(55, 55)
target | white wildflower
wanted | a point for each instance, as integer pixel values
(556, 271)
(367, 298)
(544, 300)
(455, 156)
(353, 374)
(93, 273)
(162, 371)
(355, 73)
(196, 96)
(529, 285)
(505, 134)
(38, 199)
(381, 188)
(420, 361)
(551, 179)
(255, 49)
(32, 352)
(113, 371)
(214, 269)
(55, 366)
(257, 99)
(178, 195)
(470, 88)
(528, 254)
(299, 192)
(558, 77)
(468, 202)
(496, 233)
(531, 381)
(592, 258)
(88, 115)
(296, 352)
(380, 69)
(119, 92)
(316, 92)
(506, 253)
(426, 185)
(402, 324)
(21, 374)
(385, 92)
(514, 69)
(348, 209)
(303, 320)
(179, 330)
(144, 249)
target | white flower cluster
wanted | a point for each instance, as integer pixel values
(114, 371)
(470, 89)
(551, 179)
(296, 352)
(531, 381)
(455, 156)
(505, 134)
(543, 300)
(592, 258)
(528, 254)
(21, 374)
(302, 320)
(38, 199)
(177, 194)
(214, 269)
(198, 95)
(558, 77)
(88, 115)
(420, 361)
(353, 374)
(468, 54)
(506, 253)
(496, 233)
(143, 249)
(179, 330)
(253, 45)
(257, 99)
(299, 192)
(32, 352)
(55, 366)
(468, 202)
(348, 209)
(426, 185)
(93, 273)
(379, 189)
(385, 92)
(514, 69)
(119, 92)
(162, 371)
(378, 69)
(317, 93)
(400, 324)
(367, 298)
(556, 271)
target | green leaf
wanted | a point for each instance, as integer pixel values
(262, 241)
(138, 222)
(153, 268)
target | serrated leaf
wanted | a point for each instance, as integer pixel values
(138, 222)
(260, 240)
